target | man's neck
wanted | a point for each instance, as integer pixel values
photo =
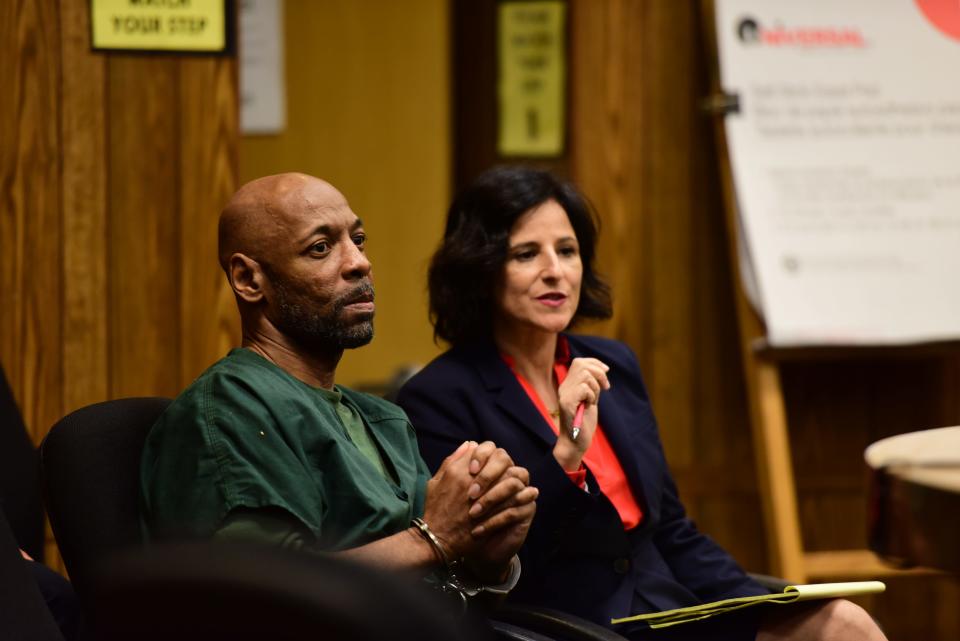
(315, 368)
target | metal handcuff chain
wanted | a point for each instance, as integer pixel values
(453, 583)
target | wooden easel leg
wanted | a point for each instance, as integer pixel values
(775, 470)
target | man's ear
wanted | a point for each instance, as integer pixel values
(246, 278)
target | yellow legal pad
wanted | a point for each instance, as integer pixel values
(790, 594)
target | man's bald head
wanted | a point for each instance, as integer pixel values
(295, 256)
(264, 207)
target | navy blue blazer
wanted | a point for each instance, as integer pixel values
(577, 557)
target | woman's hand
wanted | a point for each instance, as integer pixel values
(585, 380)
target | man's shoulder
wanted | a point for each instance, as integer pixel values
(240, 377)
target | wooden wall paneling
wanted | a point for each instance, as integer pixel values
(702, 415)
(10, 224)
(950, 388)
(93, 162)
(724, 448)
(669, 103)
(474, 52)
(143, 221)
(722, 415)
(606, 134)
(84, 176)
(83, 214)
(722, 440)
(835, 409)
(828, 406)
(641, 151)
(761, 378)
(30, 230)
(918, 608)
(946, 619)
(643, 154)
(209, 133)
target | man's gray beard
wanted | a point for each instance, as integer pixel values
(314, 330)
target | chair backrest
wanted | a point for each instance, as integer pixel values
(19, 476)
(90, 465)
(233, 592)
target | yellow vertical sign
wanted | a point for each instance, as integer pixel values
(159, 25)
(532, 74)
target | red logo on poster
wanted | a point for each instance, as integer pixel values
(944, 14)
(751, 32)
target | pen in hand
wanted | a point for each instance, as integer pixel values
(577, 421)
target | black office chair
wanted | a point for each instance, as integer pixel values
(229, 591)
(90, 464)
(554, 624)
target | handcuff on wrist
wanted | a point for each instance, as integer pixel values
(454, 582)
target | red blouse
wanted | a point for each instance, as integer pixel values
(600, 457)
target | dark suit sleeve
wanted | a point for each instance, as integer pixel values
(443, 406)
(697, 561)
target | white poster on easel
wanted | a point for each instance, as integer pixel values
(845, 154)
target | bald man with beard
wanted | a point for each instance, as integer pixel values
(264, 446)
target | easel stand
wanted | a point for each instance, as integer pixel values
(768, 416)
(768, 419)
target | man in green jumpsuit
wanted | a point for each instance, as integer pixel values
(264, 446)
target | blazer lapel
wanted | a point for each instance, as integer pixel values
(508, 395)
(625, 432)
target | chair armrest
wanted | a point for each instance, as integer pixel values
(552, 623)
(509, 632)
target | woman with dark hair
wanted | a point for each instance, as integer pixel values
(467, 267)
(610, 538)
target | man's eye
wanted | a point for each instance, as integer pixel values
(359, 240)
(320, 248)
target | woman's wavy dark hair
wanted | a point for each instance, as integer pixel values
(465, 268)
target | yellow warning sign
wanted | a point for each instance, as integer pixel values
(159, 25)
(532, 74)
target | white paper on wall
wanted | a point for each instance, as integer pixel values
(262, 84)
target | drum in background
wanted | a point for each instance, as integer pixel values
(915, 498)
